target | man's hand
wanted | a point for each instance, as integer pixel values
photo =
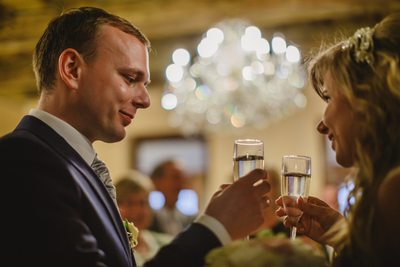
(239, 206)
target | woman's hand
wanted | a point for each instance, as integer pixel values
(317, 218)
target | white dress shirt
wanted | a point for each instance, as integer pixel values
(74, 138)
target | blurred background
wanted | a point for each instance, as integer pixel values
(187, 127)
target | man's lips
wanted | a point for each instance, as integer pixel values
(127, 114)
(126, 117)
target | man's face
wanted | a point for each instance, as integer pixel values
(171, 183)
(113, 85)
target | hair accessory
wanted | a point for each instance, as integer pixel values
(363, 45)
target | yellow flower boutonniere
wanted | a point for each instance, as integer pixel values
(132, 233)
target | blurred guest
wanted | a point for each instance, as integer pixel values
(132, 198)
(169, 178)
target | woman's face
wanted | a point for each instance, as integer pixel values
(338, 123)
(136, 209)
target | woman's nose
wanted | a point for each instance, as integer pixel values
(321, 128)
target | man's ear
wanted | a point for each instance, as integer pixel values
(70, 67)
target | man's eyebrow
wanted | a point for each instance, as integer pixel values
(131, 70)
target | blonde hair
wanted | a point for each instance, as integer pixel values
(372, 89)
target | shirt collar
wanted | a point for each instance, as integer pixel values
(74, 138)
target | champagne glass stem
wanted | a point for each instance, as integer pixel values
(293, 231)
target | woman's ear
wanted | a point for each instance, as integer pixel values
(69, 67)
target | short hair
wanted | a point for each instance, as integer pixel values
(76, 28)
(159, 170)
(126, 187)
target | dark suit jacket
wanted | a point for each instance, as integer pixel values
(56, 212)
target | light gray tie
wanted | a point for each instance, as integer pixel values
(101, 170)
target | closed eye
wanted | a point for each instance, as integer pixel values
(325, 96)
(133, 77)
(130, 79)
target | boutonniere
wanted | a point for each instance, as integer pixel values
(132, 232)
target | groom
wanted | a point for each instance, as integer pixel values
(92, 70)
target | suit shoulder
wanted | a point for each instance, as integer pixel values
(21, 144)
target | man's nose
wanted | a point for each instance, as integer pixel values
(142, 98)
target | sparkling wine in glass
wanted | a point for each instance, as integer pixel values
(296, 176)
(248, 154)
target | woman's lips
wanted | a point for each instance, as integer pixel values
(330, 137)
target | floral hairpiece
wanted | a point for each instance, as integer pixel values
(363, 44)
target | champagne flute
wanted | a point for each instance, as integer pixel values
(296, 176)
(248, 154)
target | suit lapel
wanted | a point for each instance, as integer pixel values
(91, 184)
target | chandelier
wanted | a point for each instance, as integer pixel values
(237, 79)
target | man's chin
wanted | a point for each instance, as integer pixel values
(115, 137)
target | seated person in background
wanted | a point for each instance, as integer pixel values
(132, 198)
(169, 178)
